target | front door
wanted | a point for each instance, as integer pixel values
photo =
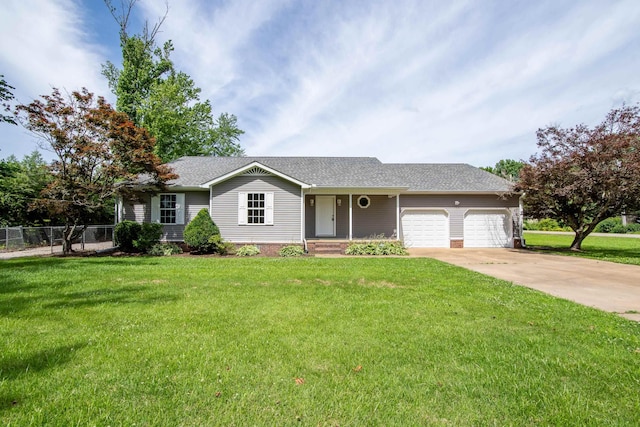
(325, 216)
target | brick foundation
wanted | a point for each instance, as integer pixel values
(517, 244)
(456, 244)
(327, 247)
(268, 249)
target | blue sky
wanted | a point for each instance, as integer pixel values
(404, 81)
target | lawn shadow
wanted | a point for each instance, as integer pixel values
(12, 368)
(53, 300)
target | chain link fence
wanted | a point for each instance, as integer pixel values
(20, 238)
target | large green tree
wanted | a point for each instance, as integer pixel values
(163, 100)
(506, 168)
(20, 185)
(99, 153)
(584, 175)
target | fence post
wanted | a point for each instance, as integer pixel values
(6, 237)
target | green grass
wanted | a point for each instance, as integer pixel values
(221, 341)
(624, 250)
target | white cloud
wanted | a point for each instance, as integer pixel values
(405, 81)
(44, 46)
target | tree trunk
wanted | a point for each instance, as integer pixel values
(67, 238)
(576, 245)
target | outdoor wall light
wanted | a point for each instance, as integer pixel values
(457, 203)
(312, 202)
(339, 202)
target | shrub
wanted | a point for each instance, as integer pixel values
(633, 228)
(291, 250)
(248, 250)
(149, 236)
(545, 224)
(199, 231)
(385, 247)
(607, 225)
(218, 245)
(165, 249)
(125, 234)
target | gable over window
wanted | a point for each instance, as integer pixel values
(168, 208)
(255, 208)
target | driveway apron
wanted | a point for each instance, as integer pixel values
(604, 285)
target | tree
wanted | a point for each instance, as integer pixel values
(582, 175)
(506, 168)
(99, 153)
(6, 95)
(20, 185)
(164, 101)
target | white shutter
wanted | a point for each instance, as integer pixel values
(242, 208)
(268, 208)
(155, 209)
(180, 208)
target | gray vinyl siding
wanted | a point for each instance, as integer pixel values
(456, 213)
(140, 211)
(194, 201)
(378, 218)
(286, 210)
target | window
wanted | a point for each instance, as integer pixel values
(168, 208)
(255, 208)
(364, 202)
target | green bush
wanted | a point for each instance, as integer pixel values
(149, 236)
(125, 234)
(165, 249)
(199, 231)
(545, 224)
(633, 228)
(291, 250)
(248, 250)
(607, 225)
(218, 245)
(385, 247)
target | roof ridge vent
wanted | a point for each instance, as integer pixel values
(256, 171)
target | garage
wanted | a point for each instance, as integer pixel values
(487, 229)
(425, 228)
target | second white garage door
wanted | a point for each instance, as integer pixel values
(487, 229)
(425, 229)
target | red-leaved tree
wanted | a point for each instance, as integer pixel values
(99, 153)
(584, 175)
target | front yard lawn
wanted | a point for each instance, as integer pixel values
(624, 250)
(312, 341)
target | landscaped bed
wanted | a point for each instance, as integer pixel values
(624, 250)
(291, 341)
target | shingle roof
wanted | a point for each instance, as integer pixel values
(343, 172)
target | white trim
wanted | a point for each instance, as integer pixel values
(252, 165)
(365, 197)
(372, 191)
(268, 207)
(302, 215)
(155, 209)
(397, 216)
(242, 208)
(350, 216)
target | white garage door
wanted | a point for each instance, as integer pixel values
(425, 229)
(487, 229)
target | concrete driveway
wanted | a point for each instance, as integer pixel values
(605, 285)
